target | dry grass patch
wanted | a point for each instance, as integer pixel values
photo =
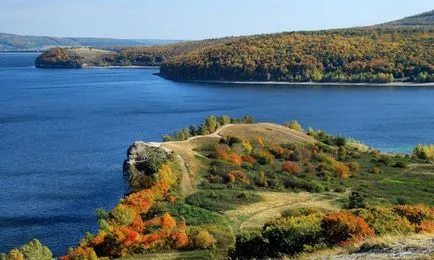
(254, 215)
(270, 133)
(185, 149)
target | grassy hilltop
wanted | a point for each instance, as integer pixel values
(232, 187)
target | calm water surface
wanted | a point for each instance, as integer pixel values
(64, 133)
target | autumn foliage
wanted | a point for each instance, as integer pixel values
(291, 167)
(345, 228)
(125, 229)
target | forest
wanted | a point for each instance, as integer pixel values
(347, 55)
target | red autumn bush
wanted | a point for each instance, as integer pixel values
(291, 167)
(248, 159)
(235, 158)
(344, 228)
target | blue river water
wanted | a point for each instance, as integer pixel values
(64, 133)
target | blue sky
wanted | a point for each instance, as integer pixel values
(194, 19)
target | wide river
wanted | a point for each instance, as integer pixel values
(64, 133)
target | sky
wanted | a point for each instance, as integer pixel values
(194, 19)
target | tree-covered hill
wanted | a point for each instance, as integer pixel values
(347, 55)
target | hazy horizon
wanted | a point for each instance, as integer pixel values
(192, 20)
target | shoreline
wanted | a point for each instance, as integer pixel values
(120, 67)
(310, 83)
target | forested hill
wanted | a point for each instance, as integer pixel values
(382, 53)
(423, 20)
(348, 55)
(401, 50)
(13, 42)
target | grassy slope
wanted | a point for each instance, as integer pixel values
(413, 182)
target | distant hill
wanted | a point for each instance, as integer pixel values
(13, 42)
(423, 20)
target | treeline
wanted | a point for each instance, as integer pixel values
(211, 124)
(348, 55)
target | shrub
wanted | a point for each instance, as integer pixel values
(424, 152)
(261, 180)
(33, 250)
(222, 151)
(353, 166)
(344, 228)
(291, 167)
(341, 141)
(236, 159)
(415, 213)
(400, 164)
(250, 245)
(237, 175)
(356, 200)
(342, 170)
(425, 226)
(262, 156)
(294, 125)
(203, 239)
(291, 235)
(123, 215)
(384, 220)
(248, 159)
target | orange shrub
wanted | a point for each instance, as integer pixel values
(137, 223)
(248, 159)
(342, 170)
(291, 167)
(344, 228)
(222, 151)
(167, 221)
(140, 201)
(415, 213)
(80, 253)
(231, 178)
(237, 175)
(181, 239)
(277, 150)
(235, 158)
(99, 239)
(425, 226)
(260, 141)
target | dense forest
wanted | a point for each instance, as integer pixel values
(349, 55)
